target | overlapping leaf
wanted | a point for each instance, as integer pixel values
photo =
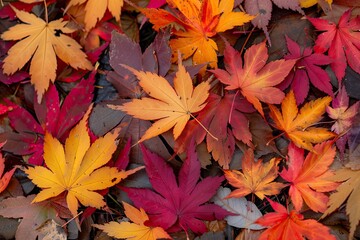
(344, 115)
(27, 138)
(254, 78)
(256, 177)
(177, 205)
(171, 107)
(5, 177)
(200, 21)
(41, 42)
(283, 225)
(350, 190)
(341, 40)
(308, 178)
(307, 69)
(95, 10)
(77, 169)
(224, 118)
(138, 230)
(297, 125)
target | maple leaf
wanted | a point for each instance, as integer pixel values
(341, 40)
(283, 225)
(137, 230)
(254, 78)
(344, 115)
(32, 215)
(297, 125)
(306, 70)
(224, 117)
(171, 107)
(200, 21)
(308, 178)
(350, 190)
(177, 205)
(5, 177)
(50, 117)
(76, 169)
(95, 10)
(42, 42)
(257, 177)
(262, 9)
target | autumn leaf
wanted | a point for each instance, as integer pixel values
(76, 169)
(171, 107)
(224, 117)
(297, 125)
(199, 22)
(343, 116)
(177, 205)
(137, 230)
(350, 190)
(5, 177)
(307, 69)
(95, 10)
(308, 178)
(42, 42)
(32, 215)
(283, 225)
(256, 177)
(254, 78)
(341, 40)
(310, 3)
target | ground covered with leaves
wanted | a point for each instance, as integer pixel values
(180, 119)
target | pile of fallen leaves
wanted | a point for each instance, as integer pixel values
(180, 119)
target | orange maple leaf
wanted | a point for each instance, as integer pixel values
(297, 125)
(308, 178)
(256, 177)
(41, 42)
(138, 230)
(196, 22)
(284, 226)
(95, 10)
(171, 107)
(256, 79)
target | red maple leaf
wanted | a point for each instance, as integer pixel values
(28, 130)
(225, 119)
(342, 40)
(283, 225)
(177, 205)
(307, 69)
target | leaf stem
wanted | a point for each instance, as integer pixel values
(232, 106)
(46, 12)
(246, 40)
(207, 131)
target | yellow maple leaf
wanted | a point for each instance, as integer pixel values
(199, 22)
(136, 230)
(310, 3)
(171, 107)
(350, 190)
(42, 41)
(95, 10)
(77, 168)
(297, 125)
(256, 177)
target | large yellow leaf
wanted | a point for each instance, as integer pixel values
(136, 230)
(95, 10)
(42, 42)
(350, 190)
(298, 125)
(77, 168)
(256, 177)
(171, 107)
